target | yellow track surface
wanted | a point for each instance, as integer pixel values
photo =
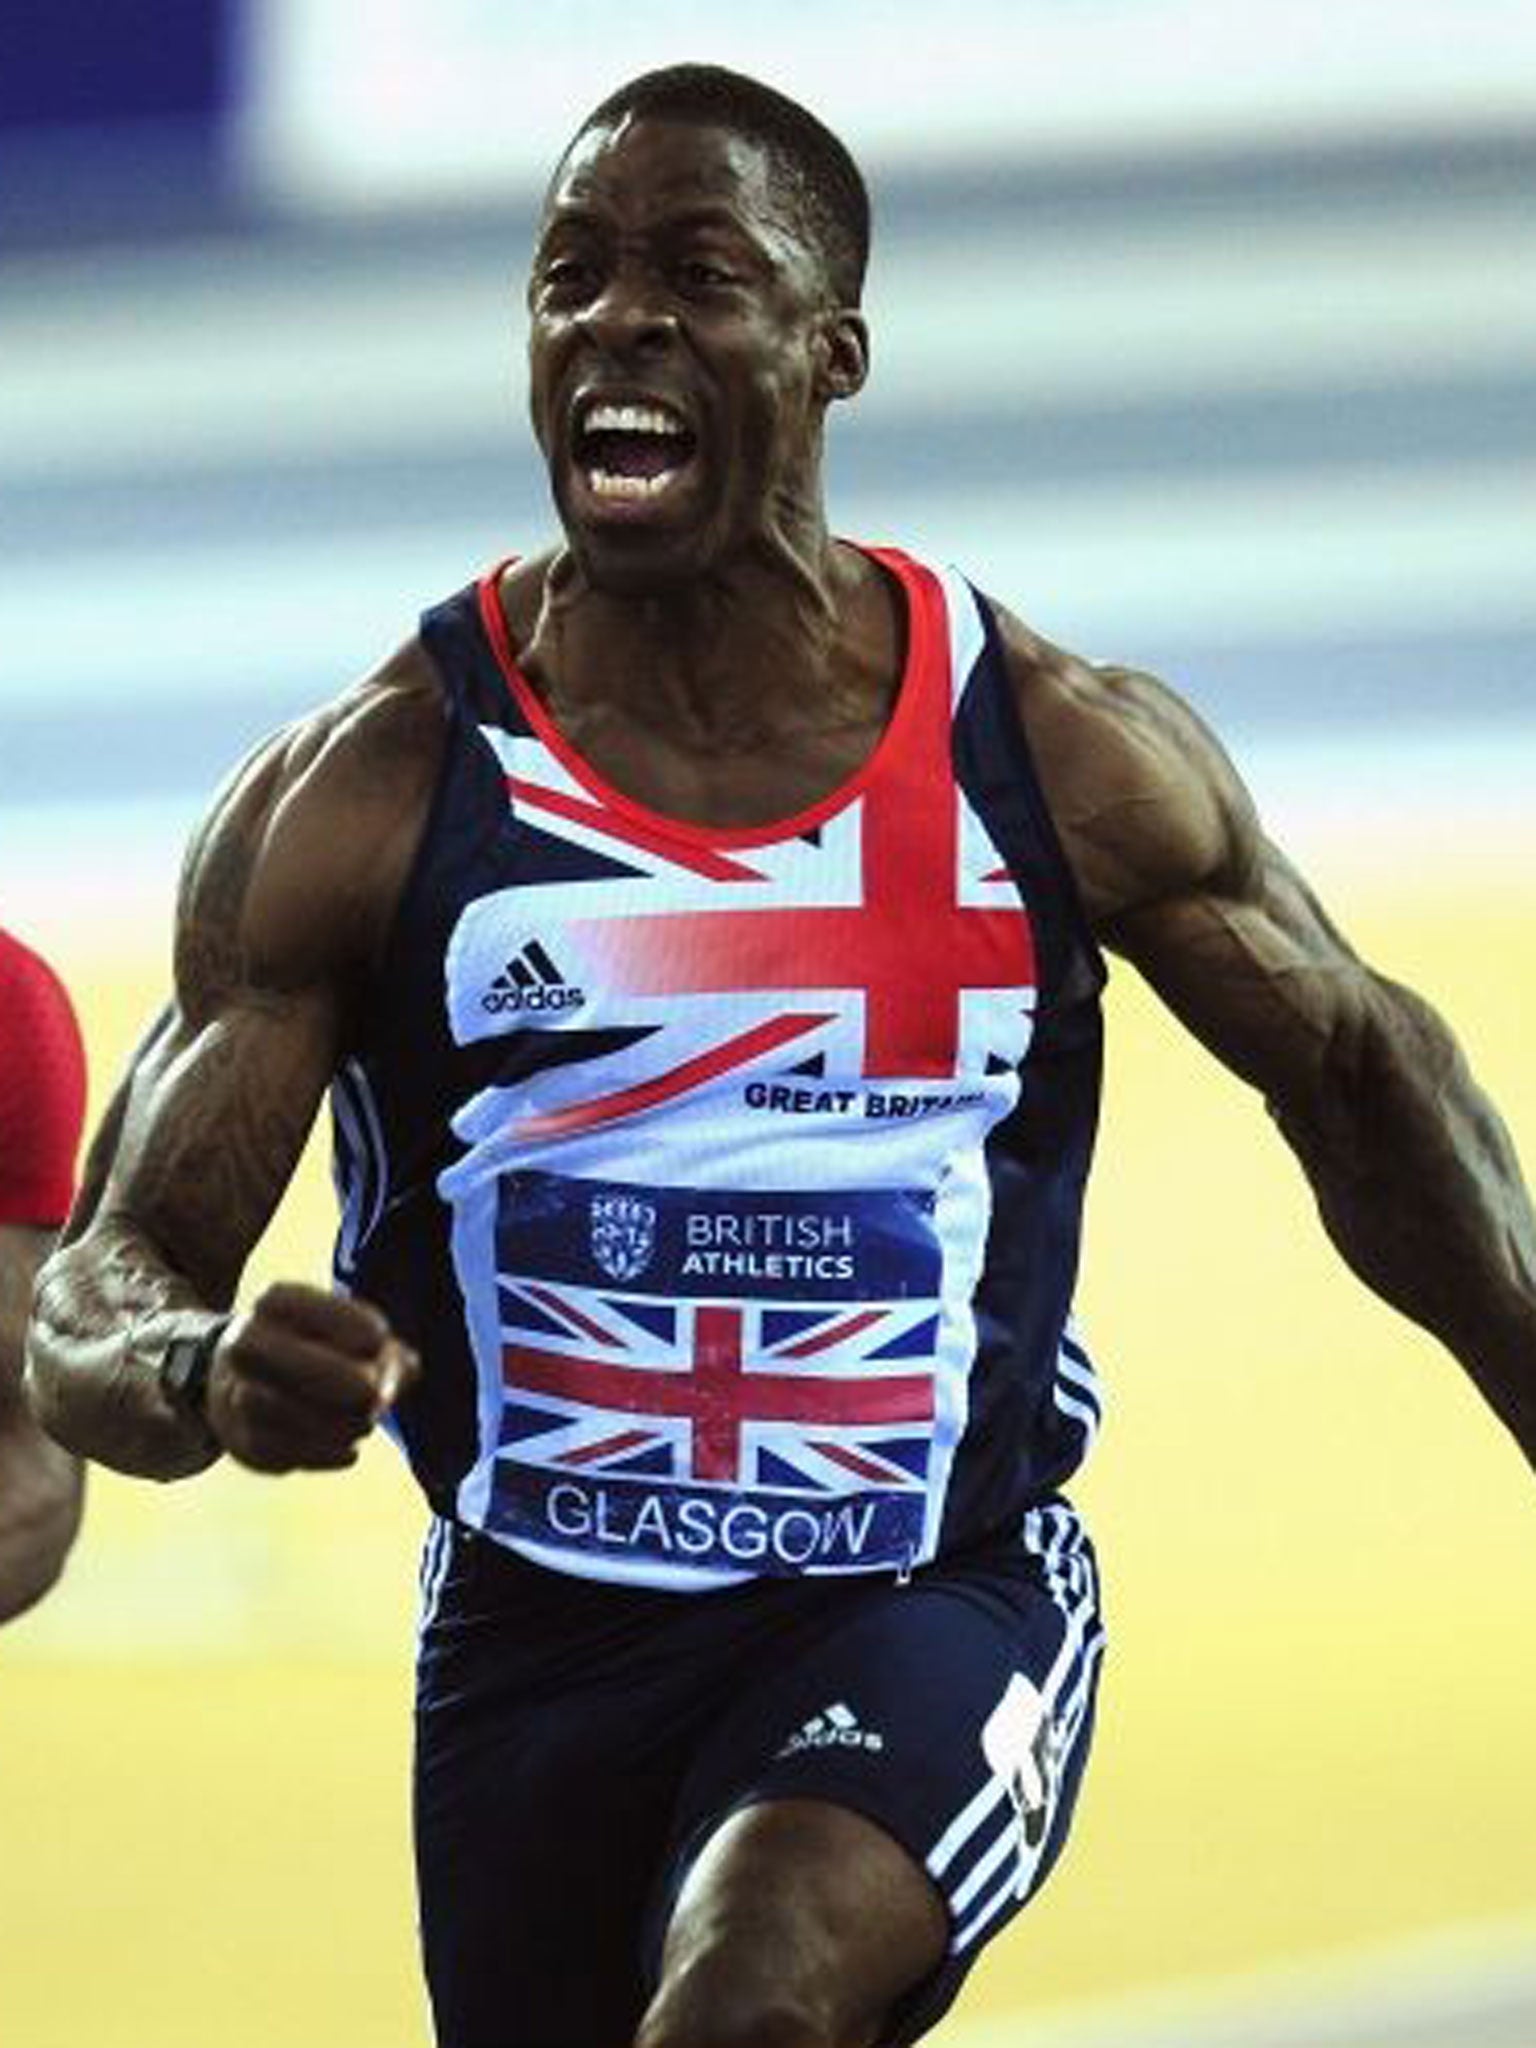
(1320, 1555)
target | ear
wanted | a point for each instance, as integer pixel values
(843, 345)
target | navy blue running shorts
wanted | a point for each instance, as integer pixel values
(578, 1743)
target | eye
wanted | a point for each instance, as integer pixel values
(702, 273)
(566, 277)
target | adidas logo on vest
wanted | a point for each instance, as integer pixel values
(835, 1727)
(530, 981)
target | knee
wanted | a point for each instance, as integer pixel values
(719, 2008)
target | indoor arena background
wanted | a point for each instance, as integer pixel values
(1207, 346)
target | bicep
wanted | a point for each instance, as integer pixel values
(285, 891)
(204, 1132)
(1176, 874)
(1253, 966)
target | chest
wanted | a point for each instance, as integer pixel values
(881, 938)
(748, 780)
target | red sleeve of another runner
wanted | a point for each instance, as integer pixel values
(42, 1090)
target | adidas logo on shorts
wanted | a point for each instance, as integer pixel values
(835, 1727)
(531, 981)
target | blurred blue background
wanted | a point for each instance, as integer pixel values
(1205, 339)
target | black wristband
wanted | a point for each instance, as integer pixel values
(184, 1367)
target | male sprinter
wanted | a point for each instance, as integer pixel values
(42, 1106)
(697, 926)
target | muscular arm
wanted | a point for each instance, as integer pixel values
(286, 893)
(1413, 1172)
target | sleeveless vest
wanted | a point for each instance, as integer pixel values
(729, 1181)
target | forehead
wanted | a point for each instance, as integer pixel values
(643, 171)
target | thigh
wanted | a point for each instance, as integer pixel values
(951, 1714)
(542, 1809)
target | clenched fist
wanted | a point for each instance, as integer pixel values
(301, 1377)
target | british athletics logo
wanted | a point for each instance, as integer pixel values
(865, 1244)
(720, 1435)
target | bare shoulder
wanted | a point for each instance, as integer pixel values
(294, 872)
(1145, 799)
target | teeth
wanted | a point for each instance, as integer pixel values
(603, 418)
(606, 485)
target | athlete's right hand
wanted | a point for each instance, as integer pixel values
(302, 1376)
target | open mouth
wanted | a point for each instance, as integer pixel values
(631, 453)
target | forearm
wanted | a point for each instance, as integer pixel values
(181, 1181)
(1420, 1189)
(41, 1487)
(106, 1307)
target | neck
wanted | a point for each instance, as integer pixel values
(722, 660)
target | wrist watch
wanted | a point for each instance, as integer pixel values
(184, 1367)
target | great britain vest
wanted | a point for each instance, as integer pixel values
(729, 1181)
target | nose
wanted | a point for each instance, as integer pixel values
(630, 315)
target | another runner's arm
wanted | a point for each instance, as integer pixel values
(1413, 1171)
(40, 1483)
(285, 895)
(42, 1102)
